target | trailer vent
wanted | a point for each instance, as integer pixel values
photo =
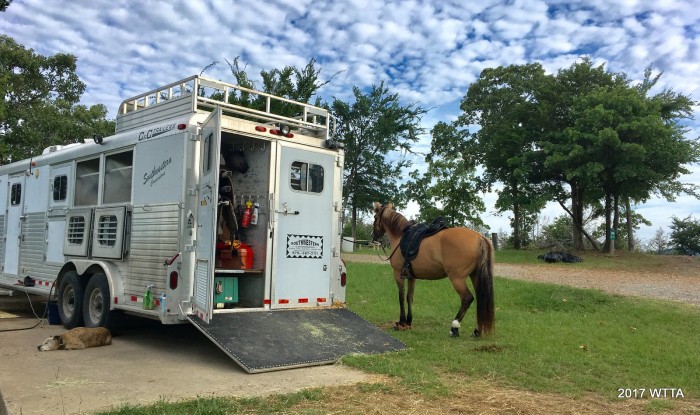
(76, 230)
(107, 230)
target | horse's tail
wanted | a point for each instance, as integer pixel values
(484, 288)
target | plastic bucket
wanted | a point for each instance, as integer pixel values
(348, 243)
(54, 318)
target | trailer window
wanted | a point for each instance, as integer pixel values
(76, 230)
(307, 177)
(16, 194)
(107, 230)
(118, 168)
(60, 188)
(87, 180)
(208, 153)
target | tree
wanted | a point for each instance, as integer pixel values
(448, 187)
(659, 242)
(4, 4)
(40, 103)
(685, 235)
(377, 131)
(504, 103)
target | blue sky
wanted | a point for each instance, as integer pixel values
(426, 51)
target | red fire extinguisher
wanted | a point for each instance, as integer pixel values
(245, 219)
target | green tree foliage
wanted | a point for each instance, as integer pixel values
(448, 188)
(4, 4)
(504, 103)
(685, 235)
(40, 106)
(377, 131)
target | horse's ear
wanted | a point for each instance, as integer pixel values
(390, 205)
(377, 206)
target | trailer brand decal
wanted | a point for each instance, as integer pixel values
(304, 246)
(155, 132)
(157, 172)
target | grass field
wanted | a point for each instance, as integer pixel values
(549, 339)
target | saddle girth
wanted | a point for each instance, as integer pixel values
(413, 235)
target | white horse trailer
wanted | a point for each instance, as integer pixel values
(161, 207)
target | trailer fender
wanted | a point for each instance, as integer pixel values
(87, 268)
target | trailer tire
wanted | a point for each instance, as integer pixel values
(96, 304)
(70, 300)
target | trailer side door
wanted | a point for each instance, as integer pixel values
(209, 151)
(303, 229)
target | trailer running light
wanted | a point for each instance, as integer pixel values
(343, 279)
(173, 280)
(282, 133)
(260, 129)
(181, 126)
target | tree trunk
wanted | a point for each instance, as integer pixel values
(608, 211)
(516, 226)
(577, 215)
(616, 219)
(630, 227)
(581, 230)
(353, 222)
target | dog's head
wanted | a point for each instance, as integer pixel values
(52, 343)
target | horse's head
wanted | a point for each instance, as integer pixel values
(378, 227)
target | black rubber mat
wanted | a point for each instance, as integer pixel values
(262, 341)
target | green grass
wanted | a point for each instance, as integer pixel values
(548, 338)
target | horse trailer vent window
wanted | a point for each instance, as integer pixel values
(16, 194)
(117, 186)
(307, 177)
(60, 188)
(107, 230)
(76, 230)
(87, 182)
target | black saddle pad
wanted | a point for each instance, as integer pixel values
(415, 233)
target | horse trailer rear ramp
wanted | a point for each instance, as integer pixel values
(263, 341)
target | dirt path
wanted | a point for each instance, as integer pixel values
(677, 283)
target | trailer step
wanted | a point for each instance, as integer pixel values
(263, 341)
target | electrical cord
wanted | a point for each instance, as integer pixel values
(41, 319)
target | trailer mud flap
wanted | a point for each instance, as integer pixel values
(263, 341)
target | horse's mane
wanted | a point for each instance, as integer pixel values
(394, 222)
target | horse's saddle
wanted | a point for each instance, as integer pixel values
(413, 235)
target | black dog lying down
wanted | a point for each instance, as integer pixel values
(559, 257)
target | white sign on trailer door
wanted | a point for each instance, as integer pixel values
(15, 212)
(304, 219)
(208, 196)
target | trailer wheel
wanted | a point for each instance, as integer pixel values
(70, 300)
(96, 303)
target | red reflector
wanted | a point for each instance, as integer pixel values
(173, 280)
(268, 302)
(133, 298)
(321, 300)
(303, 300)
(283, 301)
(116, 300)
(181, 126)
(343, 279)
(260, 128)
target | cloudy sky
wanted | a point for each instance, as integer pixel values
(426, 51)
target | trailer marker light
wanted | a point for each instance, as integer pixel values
(321, 300)
(303, 300)
(181, 126)
(283, 301)
(267, 302)
(260, 128)
(116, 300)
(343, 279)
(134, 298)
(289, 135)
(275, 132)
(173, 280)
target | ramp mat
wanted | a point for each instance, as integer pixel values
(262, 341)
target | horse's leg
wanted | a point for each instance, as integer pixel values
(409, 300)
(460, 285)
(401, 324)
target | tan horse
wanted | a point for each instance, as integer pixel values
(454, 253)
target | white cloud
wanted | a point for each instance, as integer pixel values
(427, 51)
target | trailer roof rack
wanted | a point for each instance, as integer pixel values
(198, 94)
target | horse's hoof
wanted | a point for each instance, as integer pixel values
(476, 333)
(454, 332)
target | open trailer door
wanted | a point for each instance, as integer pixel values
(208, 194)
